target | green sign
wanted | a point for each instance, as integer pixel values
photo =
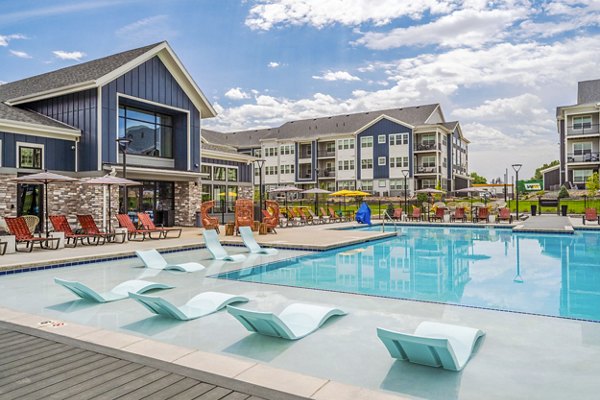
(532, 185)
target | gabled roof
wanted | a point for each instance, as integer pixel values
(96, 73)
(240, 139)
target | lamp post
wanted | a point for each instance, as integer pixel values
(316, 187)
(517, 167)
(123, 144)
(260, 163)
(405, 172)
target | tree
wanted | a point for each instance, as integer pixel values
(592, 184)
(477, 178)
(538, 171)
(564, 193)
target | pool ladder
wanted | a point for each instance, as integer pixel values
(385, 214)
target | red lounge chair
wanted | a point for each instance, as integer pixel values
(208, 222)
(60, 224)
(459, 214)
(18, 227)
(89, 226)
(148, 224)
(483, 213)
(439, 214)
(332, 216)
(591, 215)
(505, 215)
(294, 217)
(416, 215)
(132, 231)
(303, 217)
(244, 214)
(397, 214)
(271, 220)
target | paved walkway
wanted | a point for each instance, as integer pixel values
(545, 224)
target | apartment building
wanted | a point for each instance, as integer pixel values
(371, 151)
(579, 139)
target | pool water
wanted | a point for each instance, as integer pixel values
(553, 275)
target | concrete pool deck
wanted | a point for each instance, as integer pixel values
(522, 356)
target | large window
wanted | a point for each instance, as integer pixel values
(232, 174)
(30, 157)
(584, 122)
(366, 141)
(582, 148)
(151, 133)
(366, 163)
(219, 173)
(581, 175)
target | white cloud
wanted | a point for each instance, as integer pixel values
(337, 76)
(270, 13)
(72, 55)
(146, 30)
(20, 54)
(4, 39)
(468, 27)
(504, 109)
(236, 94)
(273, 64)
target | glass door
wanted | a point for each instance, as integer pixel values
(30, 201)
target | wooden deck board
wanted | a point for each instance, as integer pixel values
(37, 368)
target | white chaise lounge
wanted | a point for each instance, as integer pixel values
(152, 259)
(250, 242)
(433, 344)
(216, 249)
(295, 322)
(119, 292)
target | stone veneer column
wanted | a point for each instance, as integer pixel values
(188, 196)
(246, 192)
(71, 199)
(8, 195)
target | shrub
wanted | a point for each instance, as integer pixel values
(422, 198)
(564, 193)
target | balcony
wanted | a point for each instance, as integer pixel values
(425, 169)
(326, 154)
(427, 146)
(583, 129)
(460, 168)
(327, 173)
(583, 158)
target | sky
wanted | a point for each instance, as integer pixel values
(500, 68)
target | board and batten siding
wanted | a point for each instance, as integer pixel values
(58, 154)
(153, 82)
(78, 110)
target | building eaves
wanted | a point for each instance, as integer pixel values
(30, 117)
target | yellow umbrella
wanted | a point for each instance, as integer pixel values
(358, 193)
(230, 194)
(342, 193)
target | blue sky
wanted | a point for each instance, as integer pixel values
(499, 67)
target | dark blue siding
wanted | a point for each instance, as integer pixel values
(58, 155)
(244, 170)
(79, 111)
(152, 81)
(383, 127)
(449, 161)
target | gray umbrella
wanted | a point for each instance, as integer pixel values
(109, 181)
(44, 178)
(316, 192)
(285, 190)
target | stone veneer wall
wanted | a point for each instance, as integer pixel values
(8, 196)
(246, 192)
(188, 196)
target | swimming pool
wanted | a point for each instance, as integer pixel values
(552, 275)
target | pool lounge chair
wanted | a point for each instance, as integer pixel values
(216, 249)
(439, 214)
(208, 222)
(271, 215)
(433, 344)
(505, 215)
(60, 224)
(591, 215)
(133, 232)
(293, 323)
(119, 292)
(244, 213)
(199, 306)
(483, 213)
(459, 214)
(416, 215)
(18, 227)
(250, 242)
(331, 216)
(397, 215)
(89, 226)
(147, 223)
(154, 260)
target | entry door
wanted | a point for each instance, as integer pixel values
(30, 201)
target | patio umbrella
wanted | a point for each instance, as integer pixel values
(44, 178)
(316, 192)
(429, 192)
(109, 181)
(286, 190)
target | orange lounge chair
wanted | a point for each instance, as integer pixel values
(505, 215)
(18, 227)
(483, 213)
(439, 214)
(331, 215)
(89, 227)
(306, 219)
(591, 215)
(148, 224)
(397, 214)
(133, 232)
(208, 222)
(459, 214)
(244, 214)
(416, 215)
(271, 220)
(60, 224)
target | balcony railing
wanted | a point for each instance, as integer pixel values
(422, 169)
(587, 157)
(428, 146)
(324, 153)
(583, 129)
(327, 173)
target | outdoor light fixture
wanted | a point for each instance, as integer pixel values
(517, 167)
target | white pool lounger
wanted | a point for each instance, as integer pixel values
(119, 292)
(250, 242)
(433, 344)
(199, 306)
(152, 259)
(216, 249)
(295, 322)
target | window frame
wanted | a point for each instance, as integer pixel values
(158, 127)
(20, 145)
(381, 139)
(588, 171)
(583, 124)
(380, 159)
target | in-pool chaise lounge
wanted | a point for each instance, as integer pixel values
(251, 244)
(119, 292)
(295, 322)
(433, 344)
(216, 249)
(154, 260)
(199, 306)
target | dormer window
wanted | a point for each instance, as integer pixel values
(151, 133)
